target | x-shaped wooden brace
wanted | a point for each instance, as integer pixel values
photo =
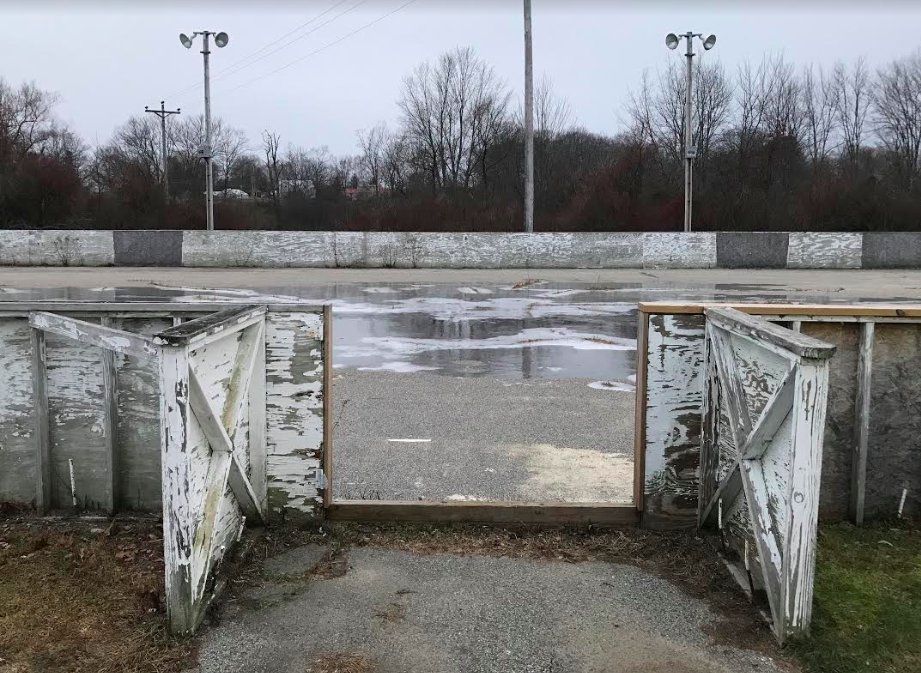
(747, 472)
(224, 468)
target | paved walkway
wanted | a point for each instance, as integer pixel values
(396, 612)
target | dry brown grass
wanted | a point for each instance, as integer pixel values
(340, 662)
(83, 597)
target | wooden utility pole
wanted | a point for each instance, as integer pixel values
(163, 113)
(528, 123)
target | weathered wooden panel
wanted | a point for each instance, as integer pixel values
(17, 413)
(76, 417)
(138, 421)
(674, 384)
(213, 364)
(294, 413)
(894, 447)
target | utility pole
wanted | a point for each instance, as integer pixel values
(528, 122)
(690, 148)
(206, 152)
(163, 113)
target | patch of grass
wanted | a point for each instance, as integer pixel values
(78, 597)
(867, 609)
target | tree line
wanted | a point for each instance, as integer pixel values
(779, 147)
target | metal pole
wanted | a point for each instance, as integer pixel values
(209, 191)
(688, 134)
(528, 122)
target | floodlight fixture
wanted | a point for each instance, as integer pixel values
(186, 40)
(671, 40)
(222, 38)
(709, 42)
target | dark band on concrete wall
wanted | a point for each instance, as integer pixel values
(891, 250)
(751, 250)
(148, 248)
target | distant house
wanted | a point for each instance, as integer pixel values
(231, 194)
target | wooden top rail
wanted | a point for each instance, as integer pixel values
(24, 308)
(207, 328)
(761, 330)
(828, 310)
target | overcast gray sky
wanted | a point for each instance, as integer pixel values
(108, 60)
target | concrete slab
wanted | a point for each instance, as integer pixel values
(147, 248)
(891, 250)
(396, 612)
(751, 250)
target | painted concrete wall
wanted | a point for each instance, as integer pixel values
(324, 249)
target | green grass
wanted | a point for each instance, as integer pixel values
(867, 610)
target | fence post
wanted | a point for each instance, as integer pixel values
(178, 529)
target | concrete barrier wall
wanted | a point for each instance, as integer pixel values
(325, 249)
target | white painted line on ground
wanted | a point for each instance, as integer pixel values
(410, 441)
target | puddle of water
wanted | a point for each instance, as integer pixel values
(534, 331)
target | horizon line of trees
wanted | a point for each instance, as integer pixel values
(779, 147)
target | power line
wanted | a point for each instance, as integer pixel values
(323, 48)
(245, 62)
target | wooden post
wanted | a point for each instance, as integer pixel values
(42, 428)
(639, 420)
(802, 515)
(178, 526)
(862, 422)
(109, 422)
(257, 423)
(327, 405)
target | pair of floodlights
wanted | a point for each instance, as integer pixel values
(220, 39)
(672, 40)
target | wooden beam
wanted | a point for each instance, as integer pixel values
(766, 536)
(178, 525)
(110, 423)
(731, 386)
(42, 428)
(827, 310)
(242, 374)
(94, 335)
(257, 424)
(862, 422)
(203, 545)
(802, 497)
(556, 514)
(710, 437)
(766, 333)
(200, 331)
(327, 405)
(639, 419)
(240, 484)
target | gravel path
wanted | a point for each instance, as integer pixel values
(396, 612)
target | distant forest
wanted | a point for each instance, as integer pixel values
(780, 147)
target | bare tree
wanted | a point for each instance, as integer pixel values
(819, 106)
(270, 142)
(453, 114)
(26, 120)
(373, 144)
(897, 99)
(852, 99)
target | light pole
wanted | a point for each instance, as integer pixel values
(528, 122)
(206, 151)
(690, 149)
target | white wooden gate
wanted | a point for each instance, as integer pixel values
(212, 415)
(761, 456)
